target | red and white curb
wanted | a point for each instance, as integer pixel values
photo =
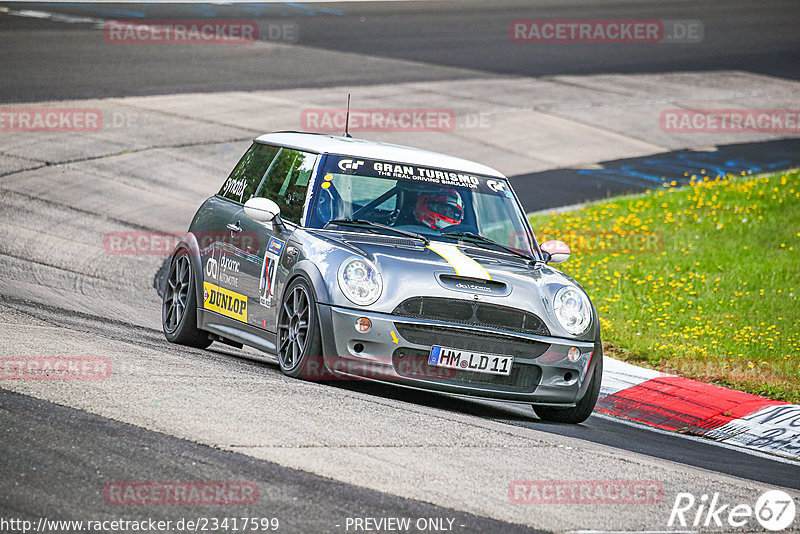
(687, 406)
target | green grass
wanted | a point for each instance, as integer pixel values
(700, 281)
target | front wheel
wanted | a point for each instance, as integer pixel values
(583, 409)
(179, 308)
(299, 342)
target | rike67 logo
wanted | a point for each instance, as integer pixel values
(774, 510)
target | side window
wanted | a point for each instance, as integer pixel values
(287, 181)
(243, 182)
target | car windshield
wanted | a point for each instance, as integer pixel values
(426, 201)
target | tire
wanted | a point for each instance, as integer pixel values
(583, 409)
(299, 340)
(179, 307)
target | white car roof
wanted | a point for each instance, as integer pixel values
(361, 148)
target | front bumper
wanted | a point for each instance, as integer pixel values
(396, 350)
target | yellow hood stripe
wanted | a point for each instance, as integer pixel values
(463, 264)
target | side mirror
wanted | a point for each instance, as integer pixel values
(555, 251)
(261, 209)
(264, 210)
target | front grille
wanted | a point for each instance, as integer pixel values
(472, 341)
(413, 363)
(472, 313)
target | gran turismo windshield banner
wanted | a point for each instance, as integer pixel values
(416, 173)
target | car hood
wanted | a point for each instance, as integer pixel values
(410, 269)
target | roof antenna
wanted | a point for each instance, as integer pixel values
(347, 118)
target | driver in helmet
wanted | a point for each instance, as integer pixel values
(439, 209)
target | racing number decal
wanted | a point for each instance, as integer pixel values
(269, 271)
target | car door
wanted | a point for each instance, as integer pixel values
(225, 244)
(286, 184)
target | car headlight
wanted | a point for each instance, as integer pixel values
(573, 310)
(360, 281)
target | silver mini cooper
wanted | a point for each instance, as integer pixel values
(351, 259)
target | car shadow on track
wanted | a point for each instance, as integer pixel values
(519, 414)
(496, 410)
(430, 399)
(504, 412)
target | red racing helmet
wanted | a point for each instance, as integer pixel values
(440, 209)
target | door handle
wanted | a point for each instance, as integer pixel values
(234, 227)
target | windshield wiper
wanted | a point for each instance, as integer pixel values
(364, 222)
(479, 239)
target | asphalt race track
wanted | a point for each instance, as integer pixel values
(446, 40)
(567, 187)
(322, 453)
(92, 448)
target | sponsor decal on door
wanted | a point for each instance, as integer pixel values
(269, 271)
(224, 301)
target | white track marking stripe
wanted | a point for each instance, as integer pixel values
(463, 264)
(618, 375)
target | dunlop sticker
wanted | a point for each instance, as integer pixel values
(224, 301)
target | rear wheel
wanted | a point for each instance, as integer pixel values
(299, 342)
(583, 409)
(179, 307)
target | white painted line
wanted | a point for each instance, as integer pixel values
(632, 531)
(55, 17)
(619, 375)
(229, 2)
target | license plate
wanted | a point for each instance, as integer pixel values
(463, 360)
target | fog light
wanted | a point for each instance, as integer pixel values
(363, 324)
(574, 354)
